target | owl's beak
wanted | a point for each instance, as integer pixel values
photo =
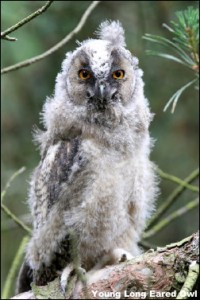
(102, 91)
(102, 95)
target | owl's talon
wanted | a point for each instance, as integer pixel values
(123, 258)
(65, 277)
(63, 286)
(81, 272)
(77, 281)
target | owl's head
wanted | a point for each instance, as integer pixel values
(100, 72)
(99, 84)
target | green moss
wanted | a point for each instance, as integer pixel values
(180, 277)
(50, 291)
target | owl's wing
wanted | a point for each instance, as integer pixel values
(44, 274)
(25, 277)
(54, 171)
(57, 167)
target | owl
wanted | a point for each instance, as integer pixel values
(95, 185)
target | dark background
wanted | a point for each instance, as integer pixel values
(24, 92)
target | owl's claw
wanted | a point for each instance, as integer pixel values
(65, 277)
(80, 272)
(125, 256)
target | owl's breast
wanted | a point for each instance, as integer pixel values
(103, 211)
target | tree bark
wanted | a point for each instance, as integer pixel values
(158, 274)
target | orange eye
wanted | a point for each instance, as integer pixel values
(84, 74)
(118, 74)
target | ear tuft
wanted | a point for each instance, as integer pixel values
(113, 32)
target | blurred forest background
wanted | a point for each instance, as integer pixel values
(24, 92)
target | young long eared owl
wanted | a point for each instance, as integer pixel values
(95, 178)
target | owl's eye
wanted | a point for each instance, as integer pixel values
(84, 74)
(118, 74)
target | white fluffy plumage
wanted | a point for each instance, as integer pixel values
(95, 176)
(113, 32)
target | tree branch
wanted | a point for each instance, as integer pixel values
(25, 20)
(15, 218)
(166, 221)
(144, 277)
(178, 180)
(3, 193)
(55, 47)
(14, 268)
(172, 197)
(8, 224)
(9, 38)
(190, 281)
(6, 209)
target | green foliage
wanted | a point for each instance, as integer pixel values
(184, 43)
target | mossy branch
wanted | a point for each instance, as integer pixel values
(190, 281)
(152, 271)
